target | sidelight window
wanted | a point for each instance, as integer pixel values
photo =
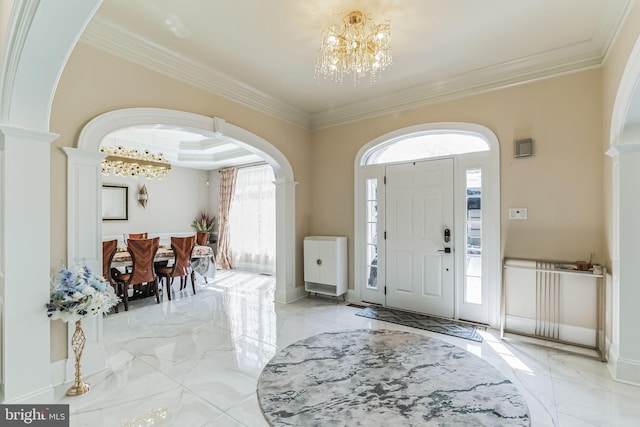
(473, 238)
(372, 233)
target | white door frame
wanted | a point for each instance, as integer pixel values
(489, 162)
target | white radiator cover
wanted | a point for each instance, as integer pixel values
(557, 305)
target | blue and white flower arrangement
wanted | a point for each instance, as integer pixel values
(79, 294)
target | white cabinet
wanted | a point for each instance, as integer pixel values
(325, 265)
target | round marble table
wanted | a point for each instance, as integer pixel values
(385, 378)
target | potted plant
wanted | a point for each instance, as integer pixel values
(203, 225)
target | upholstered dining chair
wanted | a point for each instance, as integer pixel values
(136, 236)
(109, 249)
(142, 253)
(182, 248)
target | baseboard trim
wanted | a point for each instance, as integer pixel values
(43, 395)
(59, 372)
(624, 370)
(353, 296)
(300, 293)
(568, 333)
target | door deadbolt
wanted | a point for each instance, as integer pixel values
(447, 235)
(319, 261)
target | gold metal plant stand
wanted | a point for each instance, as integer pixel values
(77, 344)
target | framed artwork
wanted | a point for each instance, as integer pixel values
(115, 202)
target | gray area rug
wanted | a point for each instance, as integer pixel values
(429, 323)
(385, 378)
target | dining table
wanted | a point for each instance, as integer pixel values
(202, 259)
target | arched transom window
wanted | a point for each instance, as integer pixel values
(426, 146)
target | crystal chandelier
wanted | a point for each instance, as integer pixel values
(121, 161)
(355, 46)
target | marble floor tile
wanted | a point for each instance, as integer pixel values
(196, 360)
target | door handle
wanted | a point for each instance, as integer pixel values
(445, 250)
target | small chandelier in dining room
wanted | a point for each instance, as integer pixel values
(121, 161)
(354, 46)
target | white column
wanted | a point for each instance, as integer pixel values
(285, 242)
(84, 243)
(25, 253)
(626, 364)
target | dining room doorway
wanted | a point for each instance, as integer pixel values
(85, 181)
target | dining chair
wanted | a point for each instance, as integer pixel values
(109, 248)
(182, 249)
(136, 236)
(142, 253)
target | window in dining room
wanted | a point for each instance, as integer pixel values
(252, 220)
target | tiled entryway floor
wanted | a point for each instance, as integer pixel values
(195, 361)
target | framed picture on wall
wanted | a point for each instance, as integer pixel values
(115, 202)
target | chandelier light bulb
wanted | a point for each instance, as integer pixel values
(356, 46)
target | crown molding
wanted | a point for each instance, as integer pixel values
(108, 37)
(610, 26)
(549, 64)
(581, 56)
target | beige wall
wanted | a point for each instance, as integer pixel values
(561, 185)
(172, 203)
(5, 14)
(94, 82)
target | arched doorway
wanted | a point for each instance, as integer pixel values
(37, 42)
(85, 180)
(433, 177)
(624, 150)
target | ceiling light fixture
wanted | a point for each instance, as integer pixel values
(121, 161)
(355, 46)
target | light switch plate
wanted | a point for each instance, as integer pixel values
(518, 213)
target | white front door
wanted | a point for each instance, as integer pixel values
(419, 260)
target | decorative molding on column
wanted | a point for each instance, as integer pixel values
(286, 242)
(38, 41)
(28, 135)
(625, 352)
(84, 207)
(26, 162)
(84, 243)
(618, 149)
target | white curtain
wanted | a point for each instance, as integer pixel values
(253, 220)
